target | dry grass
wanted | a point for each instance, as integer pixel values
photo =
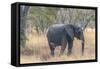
(37, 50)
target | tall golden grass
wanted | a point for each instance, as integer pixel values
(37, 50)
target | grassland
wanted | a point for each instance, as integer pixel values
(37, 50)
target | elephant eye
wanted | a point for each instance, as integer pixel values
(78, 32)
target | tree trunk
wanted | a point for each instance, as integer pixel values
(23, 14)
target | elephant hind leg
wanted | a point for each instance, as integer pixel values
(62, 49)
(52, 48)
(63, 45)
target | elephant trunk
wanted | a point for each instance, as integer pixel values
(82, 45)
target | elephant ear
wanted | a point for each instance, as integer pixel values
(69, 33)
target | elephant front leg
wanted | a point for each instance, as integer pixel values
(70, 45)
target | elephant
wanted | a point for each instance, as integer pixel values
(61, 34)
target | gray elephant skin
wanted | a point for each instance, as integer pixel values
(61, 34)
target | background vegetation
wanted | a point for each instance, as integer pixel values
(35, 21)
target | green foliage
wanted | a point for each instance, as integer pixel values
(40, 18)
